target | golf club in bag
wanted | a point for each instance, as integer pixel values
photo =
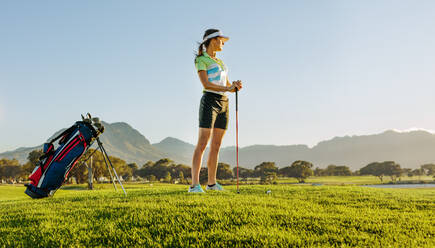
(55, 164)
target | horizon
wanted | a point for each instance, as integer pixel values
(312, 71)
(255, 144)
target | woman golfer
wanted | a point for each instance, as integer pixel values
(213, 108)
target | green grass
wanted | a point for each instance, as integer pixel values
(356, 180)
(166, 216)
(340, 180)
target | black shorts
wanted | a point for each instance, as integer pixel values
(213, 111)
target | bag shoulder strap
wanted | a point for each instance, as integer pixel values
(63, 133)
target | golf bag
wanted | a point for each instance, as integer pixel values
(55, 164)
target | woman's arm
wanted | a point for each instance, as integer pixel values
(210, 86)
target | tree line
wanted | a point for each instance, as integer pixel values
(394, 171)
(166, 170)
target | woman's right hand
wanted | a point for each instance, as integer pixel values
(236, 84)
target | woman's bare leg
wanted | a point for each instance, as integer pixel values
(204, 136)
(213, 156)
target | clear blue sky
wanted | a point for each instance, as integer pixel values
(312, 70)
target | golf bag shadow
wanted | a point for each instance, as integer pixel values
(55, 164)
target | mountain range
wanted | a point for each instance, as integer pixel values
(409, 149)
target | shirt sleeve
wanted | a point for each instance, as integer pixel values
(200, 65)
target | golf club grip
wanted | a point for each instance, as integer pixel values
(237, 99)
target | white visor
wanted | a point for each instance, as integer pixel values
(214, 35)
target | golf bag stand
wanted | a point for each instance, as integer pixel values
(108, 163)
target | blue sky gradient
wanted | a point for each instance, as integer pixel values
(312, 70)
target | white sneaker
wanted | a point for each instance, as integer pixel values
(217, 187)
(195, 189)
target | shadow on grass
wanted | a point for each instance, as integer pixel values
(74, 187)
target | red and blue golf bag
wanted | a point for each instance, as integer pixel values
(55, 164)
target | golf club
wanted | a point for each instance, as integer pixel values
(237, 138)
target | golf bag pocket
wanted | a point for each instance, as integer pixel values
(44, 161)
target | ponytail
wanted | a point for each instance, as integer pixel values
(202, 47)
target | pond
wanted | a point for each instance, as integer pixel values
(402, 186)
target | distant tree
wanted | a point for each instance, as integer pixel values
(161, 167)
(243, 172)
(429, 169)
(319, 172)
(167, 178)
(334, 170)
(203, 176)
(393, 170)
(152, 178)
(330, 170)
(373, 169)
(32, 162)
(300, 170)
(34, 156)
(5, 161)
(99, 167)
(265, 167)
(224, 171)
(381, 169)
(10, 169)
(121, 167)
(148, 163)
(163, 161)
(407, 171)
(144, 171)
(181, 177)
(268, 178)
(158, 169)
(80, 173)
(286, 171)
(187, 170)
(10, 172)
(272, 177)
(417, 172)
(133, 167)
(27, 169)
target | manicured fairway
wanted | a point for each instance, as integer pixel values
(355, 180)
(166, 216)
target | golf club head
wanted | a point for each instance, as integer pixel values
(96, 120)
(97, 123)
(87, 120)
